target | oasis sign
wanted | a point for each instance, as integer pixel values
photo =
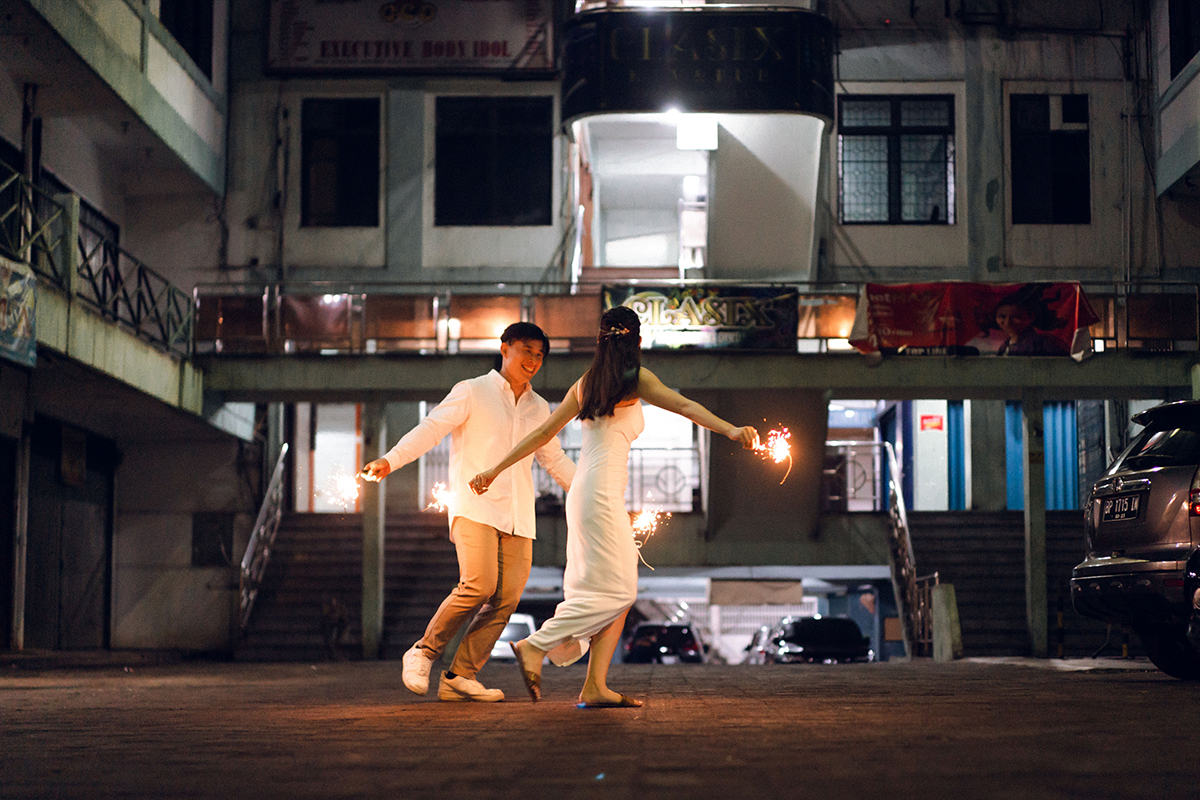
(726, 317)
(698, 59)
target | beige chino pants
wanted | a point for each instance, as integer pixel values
(492, 570)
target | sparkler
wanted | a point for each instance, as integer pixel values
(645, 523)
(343, 490)
(777, 449)
(442, 497)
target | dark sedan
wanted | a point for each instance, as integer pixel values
(817, 640)
(664, 643)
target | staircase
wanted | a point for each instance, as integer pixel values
(983, 555)
(313, 585)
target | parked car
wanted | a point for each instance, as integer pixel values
(519, 626)
(1142, 527)
(820, 640)
(664, 643)
(756, 650)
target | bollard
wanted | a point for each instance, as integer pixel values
(947, 633)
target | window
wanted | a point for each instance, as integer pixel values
(339, 170)
(1051, 165)
(191, 23)
(1183, 17)
(896, 159)
(212, 539)
(494, 160)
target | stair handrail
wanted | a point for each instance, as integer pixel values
(262, 539)
(904, 570)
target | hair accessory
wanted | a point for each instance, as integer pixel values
(615, 331)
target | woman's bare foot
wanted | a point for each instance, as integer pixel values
(604, 696)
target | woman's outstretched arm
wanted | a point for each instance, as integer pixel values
(566, 410)
(654, 392)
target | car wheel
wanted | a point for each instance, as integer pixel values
(1170, 651)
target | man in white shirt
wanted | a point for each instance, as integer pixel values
(493, 533)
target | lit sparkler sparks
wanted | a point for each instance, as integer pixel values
(645, 523)
(343, 490)
(777, 448)
(442, 497)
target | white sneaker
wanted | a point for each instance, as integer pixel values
(459, 688)
(415, 670)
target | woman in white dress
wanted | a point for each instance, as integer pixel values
(600, 581)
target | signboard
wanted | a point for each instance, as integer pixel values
(697, 59)
(957, 318)
(18, 341)
(389, 36)
(933, 422)
(705, 318)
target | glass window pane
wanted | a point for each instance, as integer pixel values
(925, 113)
(864, 176)
(866, 113)
(923, 178)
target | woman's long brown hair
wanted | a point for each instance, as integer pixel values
(613, 375)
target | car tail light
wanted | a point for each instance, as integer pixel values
(1194, 496)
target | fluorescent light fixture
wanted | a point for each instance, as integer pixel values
(696, 132)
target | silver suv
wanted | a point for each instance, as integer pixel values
(1142, 523)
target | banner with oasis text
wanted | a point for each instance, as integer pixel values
(959, 318)
(703, 318)
(390, 36)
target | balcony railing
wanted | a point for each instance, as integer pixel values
(37, 229)
(333, 318)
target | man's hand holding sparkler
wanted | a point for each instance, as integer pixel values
(376, 471)
(481, 482)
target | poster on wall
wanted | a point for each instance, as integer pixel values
(389, 36)
(18, 341)
(988, 319)
(703, 318)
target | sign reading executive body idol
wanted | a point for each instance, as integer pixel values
(705, 318)
(697, 59)
(472, 36)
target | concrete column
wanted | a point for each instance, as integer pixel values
(1196, 381)
(984, 162)
(21, 522)
(374, 503)
(70, 267)
(947, 632)
(989, 478)
(1036, 609)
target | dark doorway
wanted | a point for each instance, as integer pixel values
(68, 573)
(8, 507)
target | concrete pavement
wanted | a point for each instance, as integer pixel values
(969, 729)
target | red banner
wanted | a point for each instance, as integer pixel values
(954, 318)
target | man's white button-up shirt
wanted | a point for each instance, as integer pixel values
(485, 422)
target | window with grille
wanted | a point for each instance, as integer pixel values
(339, 152)
(1051, 164)
(896, 159)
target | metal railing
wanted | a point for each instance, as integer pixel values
(904, 569)
(38, 230)
(258, 549)
(33, 228)
(126, 291)
(336, 318)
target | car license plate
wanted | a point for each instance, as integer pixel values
(1120, 507)
(670, 659)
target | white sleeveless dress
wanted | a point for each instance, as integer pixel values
(600, 581)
